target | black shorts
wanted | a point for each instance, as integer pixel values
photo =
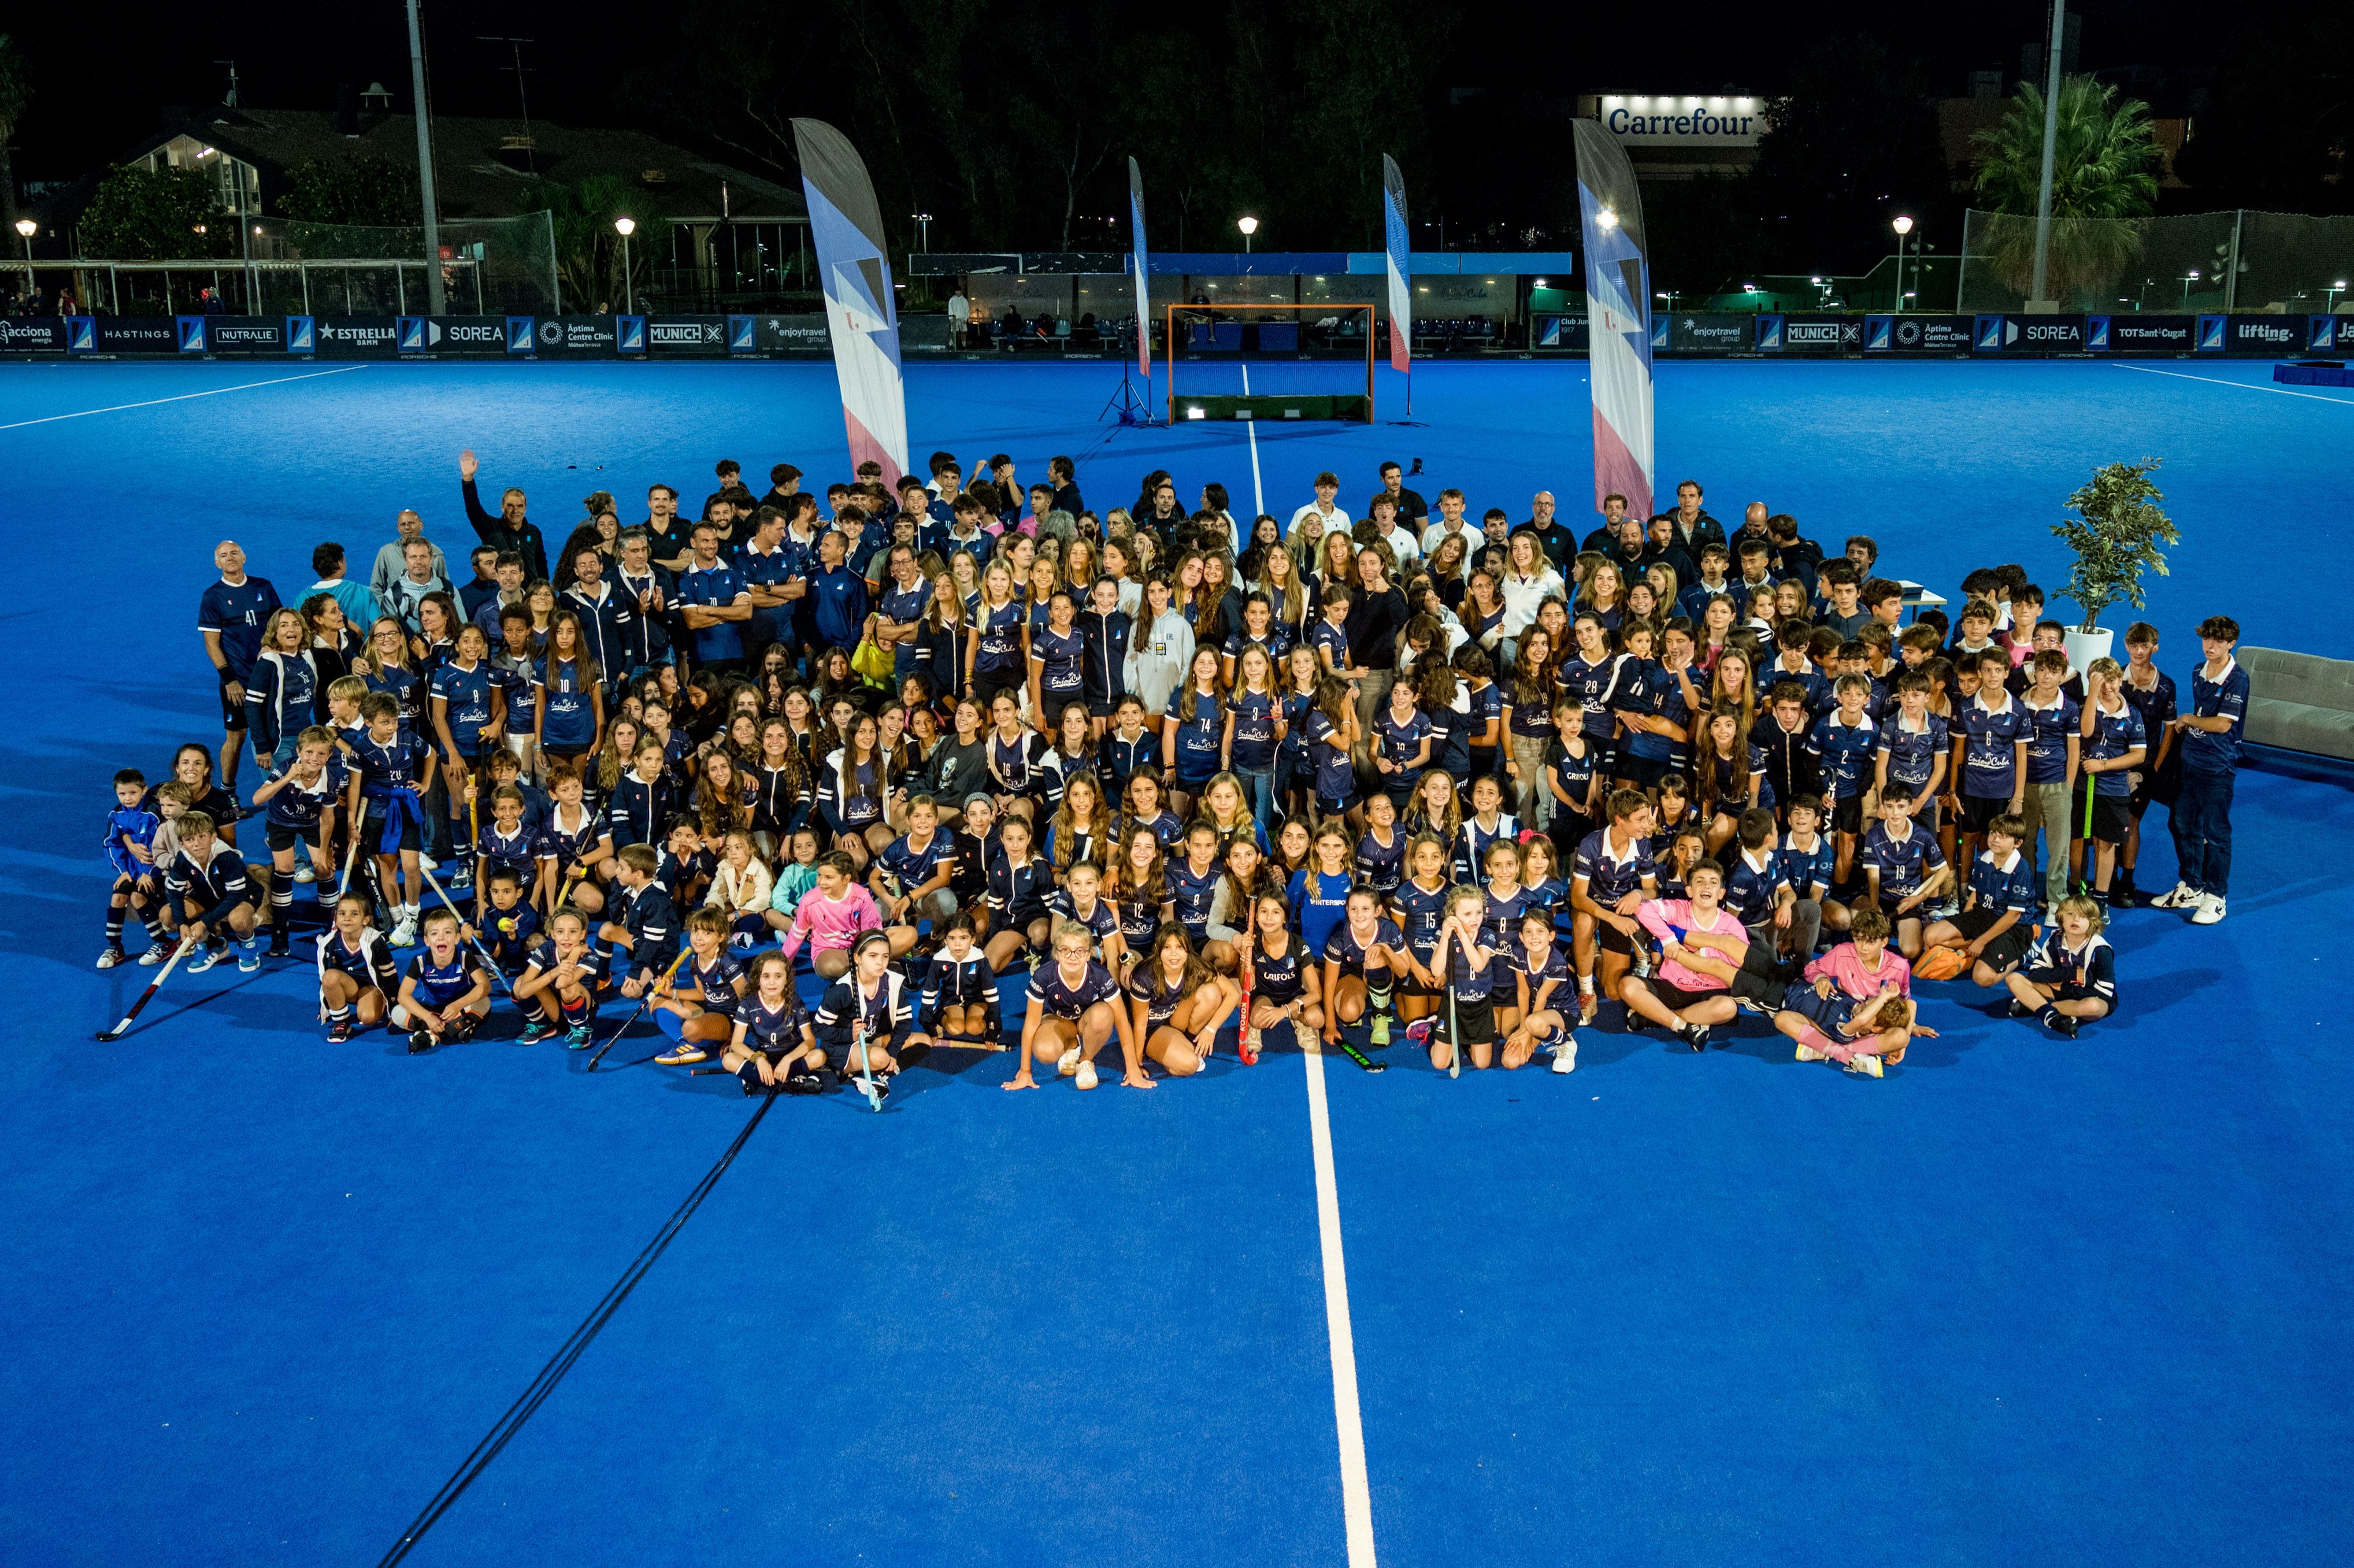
(1846, 814)
(2112, 819)
(1611, 941)
(1102, 707)
(1475, 1020)
(2005, 951)
(232, 712)
(1977, 811)
(284, 838)
(1675, 998)
(1642, 772)
(987, 684)
(1328, 807)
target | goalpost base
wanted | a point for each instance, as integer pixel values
(1347, 407)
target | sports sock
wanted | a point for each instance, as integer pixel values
(1585, 985)
(340, 1014)
(1379, 1001)
(114, 913)
(2046, 1013)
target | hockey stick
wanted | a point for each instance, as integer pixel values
(643, 1002)
(179, 949)
(1454, 1035)
(865, 1071)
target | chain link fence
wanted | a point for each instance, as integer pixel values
(2249, 262)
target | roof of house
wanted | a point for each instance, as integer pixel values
(480, 165)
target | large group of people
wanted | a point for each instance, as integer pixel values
(1335, 775)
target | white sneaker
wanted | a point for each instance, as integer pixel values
(2182, 897)
(1564, 1054)
(1069, 1063)
(1808, 1054)
(404, 932)
(1866, 1064)
(154, 955)
(304, 873)
(1087, 1075)
(2210, 909)
(428, 863)
(1308, 1042)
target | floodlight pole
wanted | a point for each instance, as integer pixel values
(435, 303)
(2050, 146)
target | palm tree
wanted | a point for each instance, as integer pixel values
(2103, 181)
(15, 97)
(587, 248)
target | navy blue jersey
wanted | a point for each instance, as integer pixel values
(1104, 639)
(513, 673)
(1989, 759)
(1500, 926)
(999, 655)
(407, 689)
(1254, 715)
(716, 981)
(1654, 691)
(2225, 697)
(1274, 645)
(1291, 754)
(1327, 636)
(1487, 703)
(1381, 865)
(2156, 704)
(2049, 731)
(1572, 772)
(1609, 872)
(1348, 950)
(1903, 866)
(1165, 826)
(1399, 744)
(1806, 869)
(1820, 698)
(1277, 975)
(1751, 888)
(1912, 752)
(1547, 965)
(1469, 983)
(1061, 658)
(715, 587)
(1424, 909)
(1140, 917)
(299, 806)
(2113, 734)
(1062, 998)
(1199, 739)
(1471, 860)
(1100, 921)
(1450, 736)
(496, 849)
(854, 802)
(280, 694)
(1192, 892)
(905, 606)
(589, 963)
(237, 612)
(1999, 885)
(569, 715)
(568, 841)
(914, 866)
(1149, 986)
(652, 920)
(437, 985)
(1596, 687)
(1015, 763)
(1551, 895)
(1336, 776)
(510, 934)
(387, 766)
(467, 693)
(1017, 893)
(1532, 718)
(1848, 753)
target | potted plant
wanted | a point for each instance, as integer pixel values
(2115, 535)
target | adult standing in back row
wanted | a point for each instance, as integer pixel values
(1377, 613)
(510, 529)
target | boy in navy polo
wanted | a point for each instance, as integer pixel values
(2209, 736)
(1901, 863)
(2115, 745)
(2053, 719)
(1990, 740)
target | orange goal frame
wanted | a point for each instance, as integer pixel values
(1302, 310)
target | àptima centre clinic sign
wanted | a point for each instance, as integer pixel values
(1683, 121)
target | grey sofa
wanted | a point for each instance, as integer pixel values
(2300, 702)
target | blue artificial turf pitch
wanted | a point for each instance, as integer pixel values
(2022, 1302)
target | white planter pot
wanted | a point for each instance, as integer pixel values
(2083, 647)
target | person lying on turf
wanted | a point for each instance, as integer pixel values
(1830, 1025)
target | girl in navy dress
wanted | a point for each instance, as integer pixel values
(571, 694)
(1283, 986)
(1137, 885)
(1015, 751)
(1194, 731)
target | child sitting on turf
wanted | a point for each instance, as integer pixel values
(1830, 1025)
(830, 917)
(559, 983)
(358, 979)
(742, 890)
(2070, 976)
(959, 991)
(1993, 931)
(773, 1045)
(446, 995)
(647, 928)
(510, 927)
(792, 880)
(1468, 973)
(1539, 977)
(130, 850)
(697, 1005)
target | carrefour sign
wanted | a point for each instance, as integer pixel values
(1683, 122)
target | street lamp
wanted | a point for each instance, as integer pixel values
(1249, 226)
(627, 226)
(2188, 279)
(26, 227)
(1903, 226)
(2328, 296)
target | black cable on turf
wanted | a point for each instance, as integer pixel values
(534, 1396)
